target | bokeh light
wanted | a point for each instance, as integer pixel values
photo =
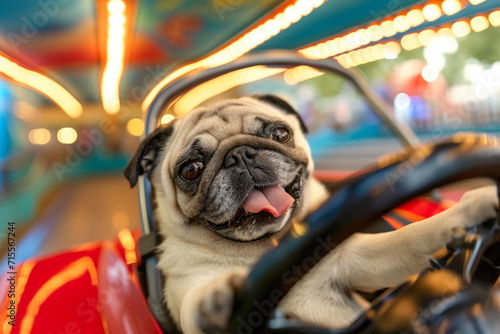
(375, 32)
(410, 42)
(479, 23)
(167, 119)
(362, 36)
(300, 73)
(431, 12)
(451, 7)
(402, 101)
(430, 73)
(135, 127)
(415, 17)
(401, 23)
(427, 36)
(116, 7)
(388, 28)
(67, 135)
(39, 136)
(115, 55)
(392, 50)
(460, 29)
(495, 18)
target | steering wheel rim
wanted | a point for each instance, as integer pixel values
(396, 179)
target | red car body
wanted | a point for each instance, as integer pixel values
(92, 288)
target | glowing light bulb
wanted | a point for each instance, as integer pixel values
(410, 42)
(116, 7)
(402, 101)
(430, 73)
(115, 57)
(460, 29)
(494, 18)
(415, 17)
(39, 136)
(431, 12)
(388, 28)
(135, 127)
(451, 7)
(392, 50)
(375, 32)
(426, 37)
(66, 135)
(378, 51)
(167, 119)
(401, 23)
(479, 23)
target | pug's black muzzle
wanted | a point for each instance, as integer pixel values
(242, 159)
(247, 168)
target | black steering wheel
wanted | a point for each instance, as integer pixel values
(411, 173)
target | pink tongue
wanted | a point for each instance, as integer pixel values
(271, 199)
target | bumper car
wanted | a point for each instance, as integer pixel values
(113, 286)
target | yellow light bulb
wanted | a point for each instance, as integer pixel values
(410, 42)
(479, 23)
(135, 127)
(39, 136)
(401, 23)
(391, 50)
(460, 29)
(388, 28)
(167, 119)
(66, 135)
(451, 7)
(375, 32)
(426, 37)
(378, 51)
(415, 17)
(495, 18)
(431, 12)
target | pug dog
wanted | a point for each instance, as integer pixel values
(230, 179)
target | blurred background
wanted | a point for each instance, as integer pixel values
(77, 76)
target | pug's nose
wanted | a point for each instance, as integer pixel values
(240, 156)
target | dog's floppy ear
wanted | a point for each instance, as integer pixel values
(283, 105)
(144, 159)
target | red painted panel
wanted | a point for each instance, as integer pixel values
(88, 289)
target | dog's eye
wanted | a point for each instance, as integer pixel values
(280, 135)
(191, 170)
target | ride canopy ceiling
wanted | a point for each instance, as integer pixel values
(61, 38)
(66, 39)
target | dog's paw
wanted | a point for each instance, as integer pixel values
(217, 299)
(478, 205)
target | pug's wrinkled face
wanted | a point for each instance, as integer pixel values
(236, 168)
